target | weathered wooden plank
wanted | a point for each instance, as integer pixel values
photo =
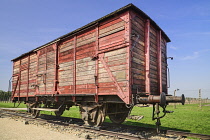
(16, 63)
(86, 37)
(88, 48)
(85, 72)
(153, 30)
(115, 52)
(137, 29)
(138, 61)
(108, 79)
(86, 41)
(113, 68)
(138, 71)
(66, 65)
(65, 83)
(140, 56)
(138, 19)
(88, 81)
(112, 31)
(86, 77)
(112, 39)
(107, 30)
(67, 46)
(114, 63)
(85, 67)
(110, 22)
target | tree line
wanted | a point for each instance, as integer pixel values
(5, 95)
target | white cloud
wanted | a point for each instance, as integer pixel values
(172, 47)
(190, 57)
(195, 55)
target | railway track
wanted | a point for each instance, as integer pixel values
(107, 129)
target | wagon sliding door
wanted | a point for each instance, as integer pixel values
(46, 70)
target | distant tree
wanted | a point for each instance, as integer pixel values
(5, 96)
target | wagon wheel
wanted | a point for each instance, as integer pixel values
(35, 113)
(118, 118)
(97, 120)
(28, 106)
(118, 113)
(61, 110)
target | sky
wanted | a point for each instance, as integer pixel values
(28, 24)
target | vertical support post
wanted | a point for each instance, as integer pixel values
(74, 82)
(45, 75)
(13, 67)
(200, 101)
(129, 57)
(19, 81)
(55, 46)
(13, 94)
(37, 70)
(28, 77)
(147, 56)
(56, 67)
(159, 60)
(96, 62)
(174, 95)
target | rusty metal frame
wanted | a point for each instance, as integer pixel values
(147, 56)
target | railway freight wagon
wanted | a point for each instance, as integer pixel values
(105, 67)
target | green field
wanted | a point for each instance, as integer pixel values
(189, 118)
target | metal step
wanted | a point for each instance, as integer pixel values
(45, 109)
(13, 108)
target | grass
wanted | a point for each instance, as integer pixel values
(189, 118)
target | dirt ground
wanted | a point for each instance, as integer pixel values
(17, 130)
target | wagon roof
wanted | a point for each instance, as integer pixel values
(127, 7)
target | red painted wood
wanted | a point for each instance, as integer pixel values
(147, 55)
(74, 77)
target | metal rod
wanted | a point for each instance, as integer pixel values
(200, 99)
(174, 95)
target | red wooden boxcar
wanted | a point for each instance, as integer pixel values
(105, 67)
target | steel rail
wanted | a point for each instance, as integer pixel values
(188, 134)
(89, 129)
(105, 132)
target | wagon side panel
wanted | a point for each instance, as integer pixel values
(138, 54)
(154, 79)
(164, 65)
